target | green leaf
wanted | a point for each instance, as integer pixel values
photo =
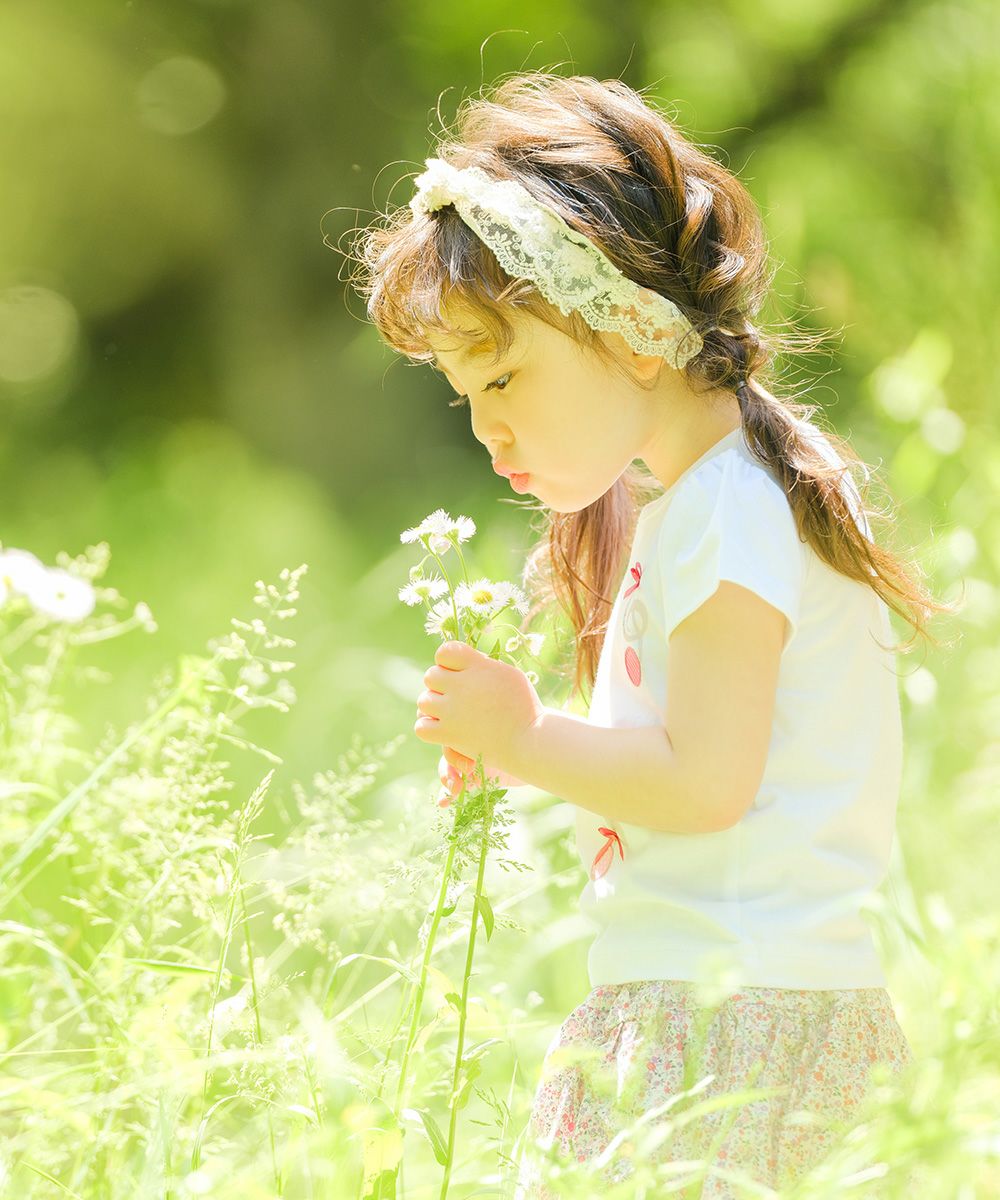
(473, 1072)
(388, 962)
(434, 1136)
(170, 968)
(480, 1048)
(302, 1111)
(486, 912)
(456, 1000)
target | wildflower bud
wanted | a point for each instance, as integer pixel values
(145, 618)
(416, 572)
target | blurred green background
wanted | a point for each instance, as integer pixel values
(186, 374)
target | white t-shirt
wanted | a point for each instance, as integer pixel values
(774, 900)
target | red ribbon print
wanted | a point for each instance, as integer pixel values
(637, 576)
(605, 856)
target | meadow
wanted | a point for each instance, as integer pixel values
(245, 952)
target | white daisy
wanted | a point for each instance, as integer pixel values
(520, 601)
(440, 531)
(482, 597)
(61, 595)
(422, 591)
(441, 620)
(513, 596)
(487, 597)
(465, 527)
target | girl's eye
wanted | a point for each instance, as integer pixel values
(462, 400)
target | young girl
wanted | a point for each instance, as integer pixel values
(589, 279)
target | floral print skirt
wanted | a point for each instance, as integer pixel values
(795, 1064)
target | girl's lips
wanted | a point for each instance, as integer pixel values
(520, 482)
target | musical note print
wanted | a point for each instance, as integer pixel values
(634, 624)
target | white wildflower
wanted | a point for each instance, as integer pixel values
(412, 535)
(61, 595)
(254, 674)
(483, 596)
(530, 641)
(422, 591)
(488, 598)
(517, 599)
(463, 528)
(145, 617)
(20, 571)
(440, 531)
(441, 620)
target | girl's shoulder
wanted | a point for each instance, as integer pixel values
(727, 519)
(727, 496)
(724, 483)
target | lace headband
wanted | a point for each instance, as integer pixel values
(531, 240)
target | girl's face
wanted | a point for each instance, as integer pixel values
(548, 410)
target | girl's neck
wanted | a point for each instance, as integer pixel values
(695, 422)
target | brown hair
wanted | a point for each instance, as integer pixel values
(674, 220)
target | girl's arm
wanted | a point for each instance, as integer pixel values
(702, 775)
(621, 774)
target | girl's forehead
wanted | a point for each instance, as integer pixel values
(465, 353)
(482, 347)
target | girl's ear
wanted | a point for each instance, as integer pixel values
(646, 366)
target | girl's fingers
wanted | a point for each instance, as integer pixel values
(459, 761)
(450, 778)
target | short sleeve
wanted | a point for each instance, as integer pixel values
(731, 520)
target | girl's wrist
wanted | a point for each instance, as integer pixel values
(525, 752)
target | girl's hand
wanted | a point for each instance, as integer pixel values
(476, 705)
(452, 767)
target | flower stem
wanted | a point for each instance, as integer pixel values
(461, 559)
(428, 949)
(463, 1011)
(451, 591)
(258, 1027)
